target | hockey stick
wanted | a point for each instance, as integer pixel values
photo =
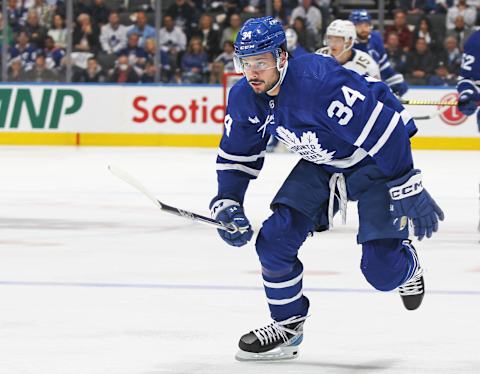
(429, 102)
(127, 178)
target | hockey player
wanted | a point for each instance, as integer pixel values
(371, 42)
(469, 81)
(350, 132)
(340, 37)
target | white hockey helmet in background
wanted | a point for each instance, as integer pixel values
(343, 29)
(292, 38)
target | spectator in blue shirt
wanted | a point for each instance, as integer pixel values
(141, 28)
(194, 62)
(26, 51)
(135, 54)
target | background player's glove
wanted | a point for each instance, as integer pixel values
(230, 212)
(409, 199)
(399, 89)
(466, 103)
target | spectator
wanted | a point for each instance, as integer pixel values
(123, 72)
(17, 15)
(293, 47)
(254, 7)
(420, 63)
(304, 36)
(210, 37)
(113, 36)
(183, 14)
(44, 13)
(35, 31)
(58, 32)
(53, 55)
(141, 28)
(223, 63)
(413, 6)
(468, 13)
(396, 55)
(451, 55)
(312, 15)
(15, 71)
(194, 62)
(165, 68)
(135, 54)
(281, 13)
(442, 76)
(25, 50)
(85, 35)
(148, 75)
(423, 29)
(172, 40)
(230, 32)
(400, 28)
(99, 12)
(92, 74)
(40, 72)
(460, 32)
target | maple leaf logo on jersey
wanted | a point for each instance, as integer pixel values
(307, 146)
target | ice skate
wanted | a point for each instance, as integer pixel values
(277, 341)
(413, 290)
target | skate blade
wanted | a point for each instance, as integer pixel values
(276, 354)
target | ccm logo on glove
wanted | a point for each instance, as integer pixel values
(410, 188)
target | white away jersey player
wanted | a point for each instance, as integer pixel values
(360, 62)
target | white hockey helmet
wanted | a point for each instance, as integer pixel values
(291, 37)
(343, 29)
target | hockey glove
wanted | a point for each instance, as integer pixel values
(410, 200)
(230, 213)
(399, 89)
(466, 103)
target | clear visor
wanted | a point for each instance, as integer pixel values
(243, 65)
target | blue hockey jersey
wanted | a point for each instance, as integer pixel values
(325, 113)
(374, 47)
(469, 78)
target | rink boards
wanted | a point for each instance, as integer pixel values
(172, 115)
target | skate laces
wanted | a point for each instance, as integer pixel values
(337, 181)
(414, 286)
(277, 330)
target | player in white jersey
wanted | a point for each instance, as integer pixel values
(340, 37)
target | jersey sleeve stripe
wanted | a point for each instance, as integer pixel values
(394, 79)
(474, 84)
(238, 167)
(369, 125)
(384, 66)
(230, 157)
(382, 60)
(383, 139)
(406, 116)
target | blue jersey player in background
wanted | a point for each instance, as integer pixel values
(469, 81)
(371, 42)
(353, 138)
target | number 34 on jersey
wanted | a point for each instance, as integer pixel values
(344, 111)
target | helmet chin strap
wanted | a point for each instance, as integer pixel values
(282, 71)
(344, 50)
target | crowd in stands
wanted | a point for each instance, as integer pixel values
(115, 42)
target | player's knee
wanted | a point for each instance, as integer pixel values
(280, 237)
(384, 263)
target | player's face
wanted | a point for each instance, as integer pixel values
(336, 44)
(261, 72)
(363, 30)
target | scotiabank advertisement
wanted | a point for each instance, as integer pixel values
(112, 109)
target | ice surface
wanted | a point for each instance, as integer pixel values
(95, 279)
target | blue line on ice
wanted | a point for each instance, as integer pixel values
(205, 287)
